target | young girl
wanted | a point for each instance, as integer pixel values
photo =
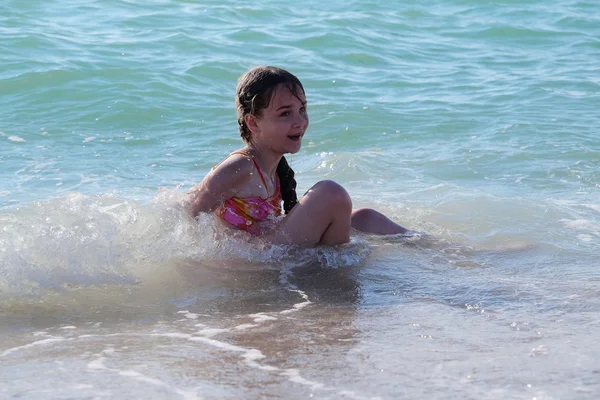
(247, 188)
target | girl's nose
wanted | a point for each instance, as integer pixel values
(301, 119)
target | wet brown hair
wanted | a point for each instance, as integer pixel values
(254, 92)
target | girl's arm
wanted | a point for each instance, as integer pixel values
(222, 183)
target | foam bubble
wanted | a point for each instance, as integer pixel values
(16, 139)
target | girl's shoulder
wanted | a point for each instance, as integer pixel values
(235, 169)
(225, 180)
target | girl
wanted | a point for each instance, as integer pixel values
(247, 188)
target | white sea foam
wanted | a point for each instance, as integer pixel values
(261, 317)
(294, 376)
(77, 240)
(251, 358)
(582, 224)
(298, 306)
(41, 342)
(188, 314)
(98, 365)
(585, 238)
(245, 326)
(595, 207)
(210, 332)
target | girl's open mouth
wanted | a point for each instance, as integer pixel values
(295, 137)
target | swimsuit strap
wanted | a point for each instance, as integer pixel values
(261, 175)
(262, 178)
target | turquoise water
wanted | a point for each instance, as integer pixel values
(473, 123)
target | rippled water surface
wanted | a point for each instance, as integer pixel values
(475, 124)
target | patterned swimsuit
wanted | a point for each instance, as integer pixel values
(246, 213)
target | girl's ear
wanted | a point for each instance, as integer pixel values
(250, 121)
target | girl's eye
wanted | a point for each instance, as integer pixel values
(285, 114)
(303, 110)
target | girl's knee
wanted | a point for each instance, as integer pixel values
(334, 193)
(364, 217)
(362, 213)
(372, 221)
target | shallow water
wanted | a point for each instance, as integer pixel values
(475, 125)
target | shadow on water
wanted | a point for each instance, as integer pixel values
(270, 288)
(212, 289)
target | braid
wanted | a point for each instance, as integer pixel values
(287, 184)
(244, 131)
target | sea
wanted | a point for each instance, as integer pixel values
(475, 124)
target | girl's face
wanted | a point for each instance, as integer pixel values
(281, 126)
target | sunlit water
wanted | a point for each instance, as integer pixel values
(475, 124)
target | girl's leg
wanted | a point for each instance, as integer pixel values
(322, 216)
(371, 221)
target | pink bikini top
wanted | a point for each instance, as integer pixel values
(245, 213)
